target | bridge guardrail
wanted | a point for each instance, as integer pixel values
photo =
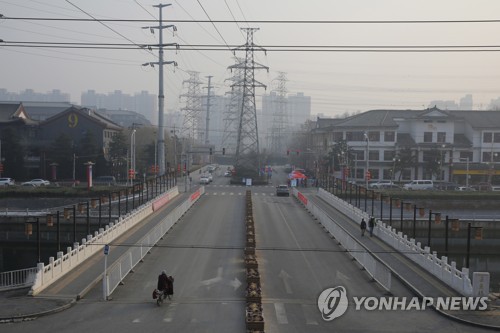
(457, 279)
(56, 268)
(377, 270)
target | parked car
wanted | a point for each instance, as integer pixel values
(391, 187)
(419, 185)
(379, 183)
(228, 173)
(482, 187)
(282, 190)
(7, 182)
(465, 188)
(37, 182)
(204, 180)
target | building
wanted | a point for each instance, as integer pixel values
(142, 103)
(76, 122)
(436, 144)
(125, 118)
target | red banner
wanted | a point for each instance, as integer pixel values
(195, 195)
(302, 198)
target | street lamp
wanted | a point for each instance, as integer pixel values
(479, 235)
(132, 155)
(394, 160)
(367, 157)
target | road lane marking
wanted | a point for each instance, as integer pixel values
(280, 313)
(169, 314)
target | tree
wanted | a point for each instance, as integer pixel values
(118, 155)
(404, 160)
(12, 154)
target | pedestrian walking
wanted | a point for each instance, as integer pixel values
(371, 225)
(363, 227)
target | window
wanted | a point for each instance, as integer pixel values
(374, 173)
(373, 155)
(496, 137)
(441, 137)
(358, 155)
(427, 136)
(374, 136)
(389, 155)
(387, 174)
(337, 136)
(489, 157)
(429, 156)
(487, 137)
(389, 136)
(355, 136)
(466, 154)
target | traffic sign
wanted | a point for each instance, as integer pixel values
(106, 249)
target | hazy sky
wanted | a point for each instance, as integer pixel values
(336, 81)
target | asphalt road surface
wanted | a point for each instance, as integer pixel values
(204, 253)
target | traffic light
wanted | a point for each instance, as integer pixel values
(223, 151)
(288, 152)
(210, 151)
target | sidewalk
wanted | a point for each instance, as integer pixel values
(419, 281)
(17, 305)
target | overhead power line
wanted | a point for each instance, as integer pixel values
(261, 21)
(270, 48)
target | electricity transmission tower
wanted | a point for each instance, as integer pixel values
(247, 162)
(232, 110)
(192, 123)
(280, 119)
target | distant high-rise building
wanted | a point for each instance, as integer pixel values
(29, 95)
(466, 102)
(299, 109)
(143, 102)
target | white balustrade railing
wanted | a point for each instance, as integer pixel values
(457, 279)
(56, 268)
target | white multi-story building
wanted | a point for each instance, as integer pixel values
(439, 145)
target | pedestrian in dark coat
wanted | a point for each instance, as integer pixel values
(363, 227)
(371, 225)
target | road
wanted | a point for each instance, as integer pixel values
(297, 261)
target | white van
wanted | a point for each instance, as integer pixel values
(419, 185)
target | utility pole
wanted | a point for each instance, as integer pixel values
(161, 96)
(207, 121)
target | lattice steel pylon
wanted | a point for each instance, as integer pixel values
(232, 110)
(280, 116)
(247, 159)
(192, 110)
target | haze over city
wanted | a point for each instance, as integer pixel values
(355, 73)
